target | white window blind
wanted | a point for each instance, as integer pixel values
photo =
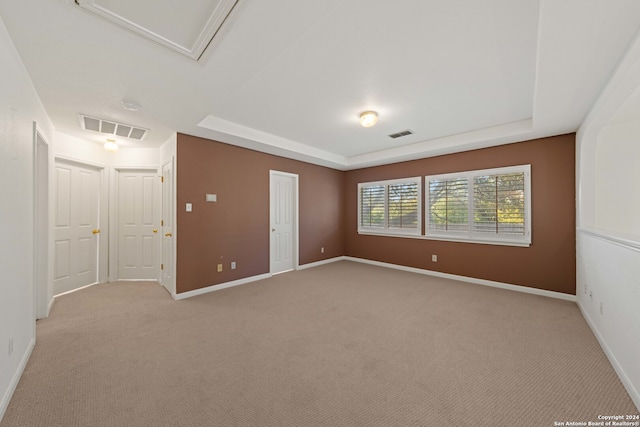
(390, 207)
(499, 204)
(449, 205)
(372, 206)
(402, 200)
(484, 206)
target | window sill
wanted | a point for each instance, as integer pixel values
(522, 244)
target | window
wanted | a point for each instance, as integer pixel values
(486, 206)
(390, 207)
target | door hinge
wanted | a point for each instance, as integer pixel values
(161, 266)
(162, 179)
(162, 222)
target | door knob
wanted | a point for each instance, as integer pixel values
(155, 230)
(167, 235)
(95, 231)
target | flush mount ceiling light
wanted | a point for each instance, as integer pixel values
(368, 118)
(111, 145)
(130, 105)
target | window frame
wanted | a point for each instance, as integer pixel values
(470, 235)
(386, 230)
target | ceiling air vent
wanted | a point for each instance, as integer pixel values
(112, 128)
(401, 134)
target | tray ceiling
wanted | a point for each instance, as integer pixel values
(291, 77)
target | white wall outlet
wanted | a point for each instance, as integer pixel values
(219, 268)
(211, 198)
(322, 250)
(233, 265)
(434, 258)
(189, 207)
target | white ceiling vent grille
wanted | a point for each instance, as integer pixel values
(401, 134)
(112, 128)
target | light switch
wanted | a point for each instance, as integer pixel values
(212, 198)
(189, 207)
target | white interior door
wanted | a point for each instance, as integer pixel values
(283, 214)
(166, 275)
(76, 226)
(137, 225)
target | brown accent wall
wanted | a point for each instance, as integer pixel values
(236, 227)
(549, 263)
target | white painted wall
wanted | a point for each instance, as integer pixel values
(19, 108)
(609, 274)
(617, 207)
(136, 157)
(168, 150)
(608, 237)
(72, 148)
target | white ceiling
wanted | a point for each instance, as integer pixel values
(290, 77)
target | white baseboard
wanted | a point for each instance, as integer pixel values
(53, 300)
(219, 286)
(16, 378)
(633, 392)
(319, 263)
(510, 287)
(75, 290)
(517, 288)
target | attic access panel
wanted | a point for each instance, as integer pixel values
(185, 27)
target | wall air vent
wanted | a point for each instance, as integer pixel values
(112, 128)
(401, 134)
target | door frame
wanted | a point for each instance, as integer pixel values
(43, 267)
(114, 250)
(171, 285)
(103, 214)
(295, 244)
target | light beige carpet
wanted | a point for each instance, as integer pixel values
(344, 344)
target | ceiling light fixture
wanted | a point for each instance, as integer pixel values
(130, 105)
(111, 145)
(368, 118)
